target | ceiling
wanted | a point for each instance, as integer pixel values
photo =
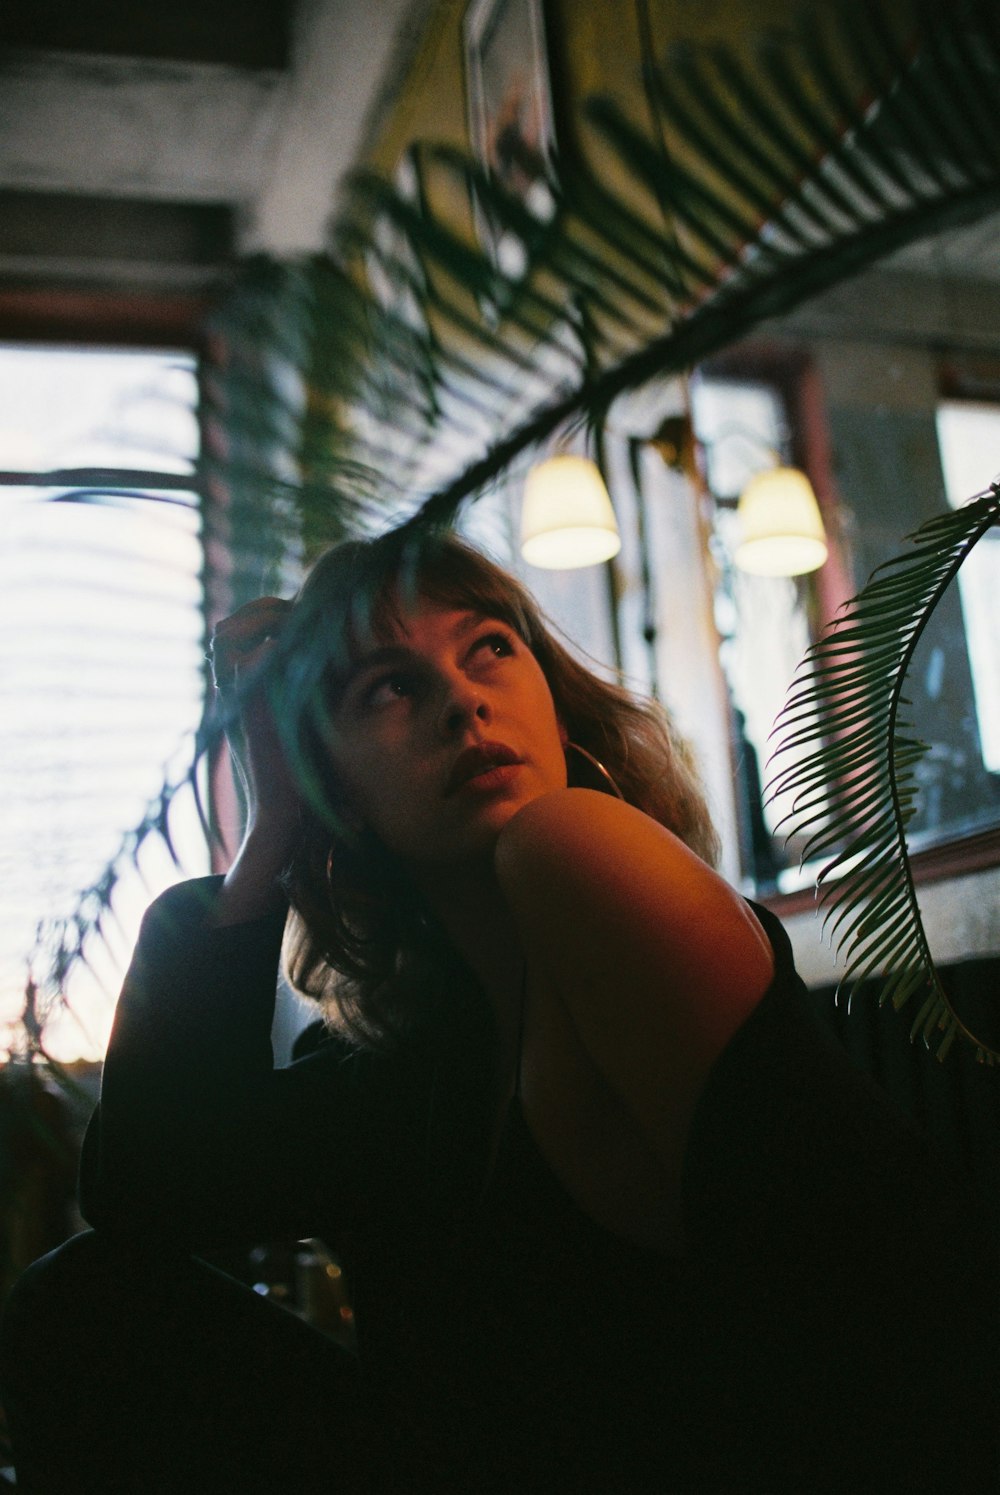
(145, 147)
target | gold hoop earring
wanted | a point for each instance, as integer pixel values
(596, 763)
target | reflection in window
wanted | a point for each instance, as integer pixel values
(101, 655)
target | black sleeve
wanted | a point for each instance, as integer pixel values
(197, 1137)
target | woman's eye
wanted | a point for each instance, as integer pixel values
(500, 645)
(388, 688)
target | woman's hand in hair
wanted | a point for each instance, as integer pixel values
(241, 647)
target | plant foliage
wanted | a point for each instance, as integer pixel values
(854, 770)
(454, 327)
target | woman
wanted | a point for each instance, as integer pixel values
(615, 1218)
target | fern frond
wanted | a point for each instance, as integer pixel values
(858, 789)
(331, 408)
(764, 183)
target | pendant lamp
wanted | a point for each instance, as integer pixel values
(566, 518)
(781, 529)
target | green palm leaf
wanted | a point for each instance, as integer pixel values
(760, 185)
(857, 790)
(332, 409)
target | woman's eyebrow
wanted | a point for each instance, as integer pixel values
(401, 653)
(470, 621)
(374, 659)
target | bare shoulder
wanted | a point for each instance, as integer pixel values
(633, 877)
(656, 958)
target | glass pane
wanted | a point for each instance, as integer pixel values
(762, 623)
(969, 436)
(101, 663)
(741, 428)
(78, 408)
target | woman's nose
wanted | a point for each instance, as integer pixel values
(464, 702)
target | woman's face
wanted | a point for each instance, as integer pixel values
(443, 733)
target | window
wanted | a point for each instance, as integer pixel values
(742, 427)
(887, 443)
(101, 655)
(969, 438)
(888, 455)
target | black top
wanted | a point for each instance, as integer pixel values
(832, 1325)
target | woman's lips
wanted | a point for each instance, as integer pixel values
(485, 764)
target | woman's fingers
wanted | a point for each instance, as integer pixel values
(238, 641)
(240, 646)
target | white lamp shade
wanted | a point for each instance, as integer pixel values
(566, 516)
(781, 529)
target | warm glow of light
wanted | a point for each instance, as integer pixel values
(567, 519)
(781, 529)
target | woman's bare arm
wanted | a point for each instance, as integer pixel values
(656, 958)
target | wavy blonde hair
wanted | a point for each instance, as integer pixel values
(358, 938)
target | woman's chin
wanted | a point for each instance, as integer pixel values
(473, 846)
(476, 816)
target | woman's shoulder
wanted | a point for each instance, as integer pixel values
(598, 887)
(656, 959)
(582, 834)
